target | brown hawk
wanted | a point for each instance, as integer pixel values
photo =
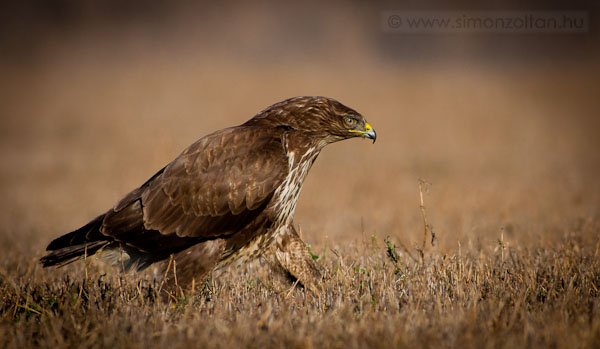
(230, 196)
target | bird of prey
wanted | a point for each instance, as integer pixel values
(230, 196)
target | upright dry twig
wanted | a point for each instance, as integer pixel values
(166, 274)
(501, 244)
(177, 287)
(426, 226)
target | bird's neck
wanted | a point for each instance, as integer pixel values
(300, 160)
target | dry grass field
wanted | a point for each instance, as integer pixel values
(510, 153)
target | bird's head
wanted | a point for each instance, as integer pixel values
(319, 117)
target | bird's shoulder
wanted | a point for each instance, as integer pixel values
(234, 146)
(230, 173)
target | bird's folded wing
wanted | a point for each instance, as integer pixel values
(214, 188)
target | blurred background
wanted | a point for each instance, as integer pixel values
(98, 95)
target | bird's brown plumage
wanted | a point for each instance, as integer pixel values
(229, 196)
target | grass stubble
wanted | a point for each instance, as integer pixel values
(377, 294)
(513, 148)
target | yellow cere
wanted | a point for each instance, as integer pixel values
(367, 129)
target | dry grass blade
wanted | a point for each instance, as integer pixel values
(427, 231)
(95, 105)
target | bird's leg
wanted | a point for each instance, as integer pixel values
(292, 255)
(190, 267)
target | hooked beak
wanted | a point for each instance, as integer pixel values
(369, 132)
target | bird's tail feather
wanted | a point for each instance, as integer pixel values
(77, 244)
(71, 254)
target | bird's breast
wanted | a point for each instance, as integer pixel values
(281, 211)
(286, 195)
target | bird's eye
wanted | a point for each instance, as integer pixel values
(350, 122)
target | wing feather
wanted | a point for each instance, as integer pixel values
(216, 185)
